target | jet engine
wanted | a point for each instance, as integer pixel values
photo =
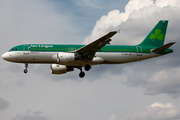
(63, 57)
(60, 69)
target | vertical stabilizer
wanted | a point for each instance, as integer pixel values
(156, 37)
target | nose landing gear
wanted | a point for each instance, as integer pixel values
(26, 66)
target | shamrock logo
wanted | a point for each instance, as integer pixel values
(157, 35)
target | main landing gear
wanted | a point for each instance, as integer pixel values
(81, 74)
(26, 66)
(87, 67)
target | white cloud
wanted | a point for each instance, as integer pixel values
(165, 81)
(135, 5)
(139, 18)
(112, 117)
(101, 94)
(106, 23)
(162, 3)
(156, 111)
(154, 77)
(30, 116)
(114, 19)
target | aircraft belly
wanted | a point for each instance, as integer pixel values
(43, 57)
(34, 57)
(124, 57)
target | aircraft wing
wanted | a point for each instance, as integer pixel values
(90, 49)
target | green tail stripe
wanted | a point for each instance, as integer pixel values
(156, 37)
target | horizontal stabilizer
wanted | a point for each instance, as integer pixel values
(162, 48)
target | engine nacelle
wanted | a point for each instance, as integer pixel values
(64, 57)
(60, 69)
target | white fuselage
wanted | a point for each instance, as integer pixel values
(47, 57)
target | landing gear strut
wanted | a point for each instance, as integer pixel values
(81, 74)
(26, 66)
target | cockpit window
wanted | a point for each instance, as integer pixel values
(13, 49)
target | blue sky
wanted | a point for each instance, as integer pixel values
(85, 14)
(142, 90)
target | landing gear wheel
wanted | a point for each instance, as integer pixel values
(25, 70)
(26, 66)
(81, 74)
(87, 67)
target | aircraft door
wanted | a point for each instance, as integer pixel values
(26, 49)
(139, 50)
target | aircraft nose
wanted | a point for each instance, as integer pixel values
(5, 56)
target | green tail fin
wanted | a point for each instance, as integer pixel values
(156, 37)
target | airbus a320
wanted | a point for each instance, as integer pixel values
(65, 58)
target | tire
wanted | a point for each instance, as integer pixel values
(81, 74)
(25, 70)
(87, 67)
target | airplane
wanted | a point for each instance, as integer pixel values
(64, 58)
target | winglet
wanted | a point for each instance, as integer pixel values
(118, 31)
(162, 48)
